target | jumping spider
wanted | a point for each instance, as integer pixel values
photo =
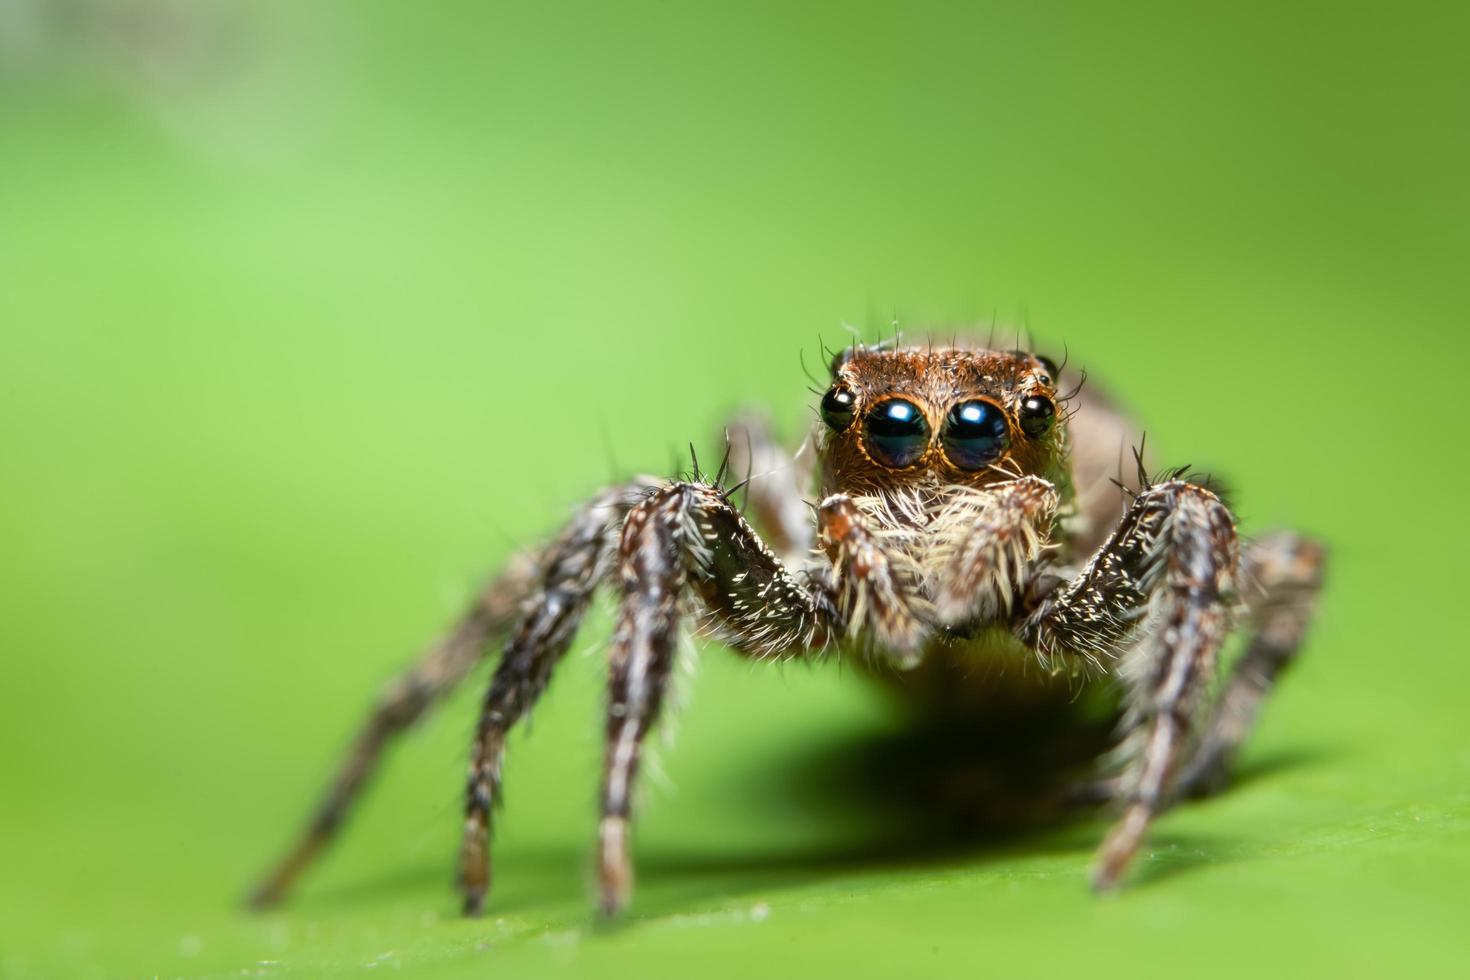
(968, 511)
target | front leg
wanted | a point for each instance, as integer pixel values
(1158, 593)
(875, 584)
(680, 541)
(985, 542)
(571, 568)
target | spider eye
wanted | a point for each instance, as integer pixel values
(897, 433)
(975, 435)
(837, 405)
(1037, 416)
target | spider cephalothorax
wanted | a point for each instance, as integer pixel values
(917, 417)
(934, 447)
(967, 509)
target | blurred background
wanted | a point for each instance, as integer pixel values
(311, 314)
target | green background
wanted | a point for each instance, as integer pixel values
(312, 313)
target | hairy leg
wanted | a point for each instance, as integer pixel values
(875, 585)
(443, 666)
(1169, 567)
(686, 540)
(573, 566)
(1281, 576)
(986, 540)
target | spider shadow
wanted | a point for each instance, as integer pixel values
(926, 795)
(938, 795)
(1257, 769)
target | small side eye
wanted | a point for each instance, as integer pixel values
(1037, 416)
(1047, 365)
(975, 435)
(837, 408)
(897, 433)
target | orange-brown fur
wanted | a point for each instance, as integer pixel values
(935, 379)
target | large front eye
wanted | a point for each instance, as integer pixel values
(975, 435)
(837, 407)
(897, 433)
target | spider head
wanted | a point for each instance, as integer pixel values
(905, 416)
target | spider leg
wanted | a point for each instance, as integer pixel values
(407, 698)
(571, 569)
(1158, 589)
(684, 539)
(986, 542)
(875, 583)
(1281, 576)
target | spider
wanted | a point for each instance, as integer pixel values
(969, 511)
